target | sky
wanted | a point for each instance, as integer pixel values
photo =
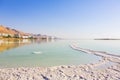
(63, 18)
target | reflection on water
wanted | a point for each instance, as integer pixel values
(10, 44)
(19, 52)
(42, 40)
(53, 53)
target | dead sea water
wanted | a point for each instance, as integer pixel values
(52, 53)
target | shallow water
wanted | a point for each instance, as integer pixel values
(110, 46)
(54, 53)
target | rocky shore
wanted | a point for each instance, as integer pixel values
(108, 68)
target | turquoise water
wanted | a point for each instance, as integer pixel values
(110, 46)
(53, 53)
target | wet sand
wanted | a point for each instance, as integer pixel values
(108, 68)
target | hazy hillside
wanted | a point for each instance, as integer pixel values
(8, 30)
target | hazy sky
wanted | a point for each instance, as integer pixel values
(63, 18)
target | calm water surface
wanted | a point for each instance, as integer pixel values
(53, 53)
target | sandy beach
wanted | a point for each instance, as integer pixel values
(108, 68)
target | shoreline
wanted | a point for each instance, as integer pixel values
(108, 68)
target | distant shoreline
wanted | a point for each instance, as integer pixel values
(106, 39)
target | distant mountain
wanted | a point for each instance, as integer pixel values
(5, 31)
